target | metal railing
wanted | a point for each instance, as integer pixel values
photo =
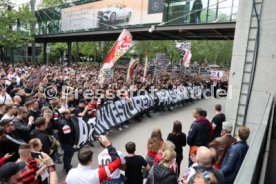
(254, 166)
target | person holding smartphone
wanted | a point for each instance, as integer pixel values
(84, 174)
(31, 171)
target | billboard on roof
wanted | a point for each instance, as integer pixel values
(111, 13)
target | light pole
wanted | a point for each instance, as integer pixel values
(32, 2)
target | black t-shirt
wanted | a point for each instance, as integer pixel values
(218, 120)
(78, 110)
(179, 141)
(72, 104)
(35, 114)
(134, 169)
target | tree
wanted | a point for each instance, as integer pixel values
(50, 3)
(215, 52)
(103, 48)
(15, 24)
(167, 47)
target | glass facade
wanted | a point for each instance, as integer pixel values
(89, 15)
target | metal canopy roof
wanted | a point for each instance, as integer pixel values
(213, 31)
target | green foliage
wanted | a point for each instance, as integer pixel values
(15, 24)
(167, 47)
(56, 51)
(214, 52)
(50, 3)
(222, 17)
(219, 52)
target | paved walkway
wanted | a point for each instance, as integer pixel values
(140, 132)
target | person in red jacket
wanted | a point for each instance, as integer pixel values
(93, 106)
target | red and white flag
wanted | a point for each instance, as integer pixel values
(132, 65)
(37, 75)
(146, 65)
(121, 46)
(186, 58)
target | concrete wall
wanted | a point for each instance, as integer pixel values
(265, 76)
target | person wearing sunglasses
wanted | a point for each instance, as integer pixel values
(10, 139)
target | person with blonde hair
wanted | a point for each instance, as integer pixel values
(161, 173)
(154, 144)
(35, 144)
(166, 145)
(158, 157)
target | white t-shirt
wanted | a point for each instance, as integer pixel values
(6, 116)
(191, 171)
(5, 99)
(83, 175)
(104, 159)
(11, 75)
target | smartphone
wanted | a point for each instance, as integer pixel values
(36, 154)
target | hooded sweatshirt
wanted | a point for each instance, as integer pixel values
(199, 132)
(161, 175)
(44, 138)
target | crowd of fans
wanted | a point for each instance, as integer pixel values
(36, 122)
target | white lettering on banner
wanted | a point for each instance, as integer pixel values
(117, 112)
(147, 101)
(122, 115)
(137, 102)
(91, 124)
(130, 110)
(83, 132)
(106, 117)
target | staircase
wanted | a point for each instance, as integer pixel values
(247, 81)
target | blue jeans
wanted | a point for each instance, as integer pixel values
(67, 156)
(113, 181)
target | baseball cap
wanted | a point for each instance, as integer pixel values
(10, 169)
(228, 126)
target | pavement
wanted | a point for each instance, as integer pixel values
(140, 132)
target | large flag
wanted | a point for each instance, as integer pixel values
(132, 65)
(186, 58)
(37, 75)
(121, 46)
(146, 65)
(185, 50)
